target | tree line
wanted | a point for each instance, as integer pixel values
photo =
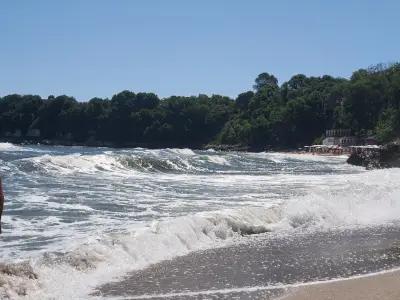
(270, 115)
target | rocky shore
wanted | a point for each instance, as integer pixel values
(387, 156)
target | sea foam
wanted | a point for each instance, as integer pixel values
(95, 215)
(369, 199)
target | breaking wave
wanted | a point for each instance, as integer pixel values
(10, 147)
(183, 161)
(87, 216)
(103, 258)
(363, 200)
(69, 164)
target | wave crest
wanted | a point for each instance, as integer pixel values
(10, 147)
(364, 200)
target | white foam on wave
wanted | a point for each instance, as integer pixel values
(123, 163)
(102, 258)
(363, 199)
(219, 160)
(281, 157)
(372, 198)
(368, 199)
(75, 163)
(67, 206)
(127, 162)
(182, 151)
(10, 147)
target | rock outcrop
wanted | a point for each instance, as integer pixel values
(387, 156)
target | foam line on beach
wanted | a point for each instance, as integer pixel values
(250, 289)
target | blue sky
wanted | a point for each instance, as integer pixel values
(97, 48)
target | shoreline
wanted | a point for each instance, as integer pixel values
(264, 266)
(222, 148)
(383, 285)
(124, 145)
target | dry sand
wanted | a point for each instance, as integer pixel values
(383, 286)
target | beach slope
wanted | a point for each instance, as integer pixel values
(382, 286)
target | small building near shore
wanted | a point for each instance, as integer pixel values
(341, 141)
(339, 137)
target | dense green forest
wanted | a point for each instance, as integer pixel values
(270, 115)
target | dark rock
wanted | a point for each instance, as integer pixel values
(387, 156)
(390, 156)
(366, 158)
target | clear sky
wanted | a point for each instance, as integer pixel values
(94, 48)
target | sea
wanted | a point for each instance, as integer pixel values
(78, 218)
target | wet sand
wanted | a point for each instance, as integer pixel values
(384, 286)
(263, 265)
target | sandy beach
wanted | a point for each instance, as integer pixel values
(266, 267)
(381, 286)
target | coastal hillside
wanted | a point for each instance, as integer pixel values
(270, 115)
